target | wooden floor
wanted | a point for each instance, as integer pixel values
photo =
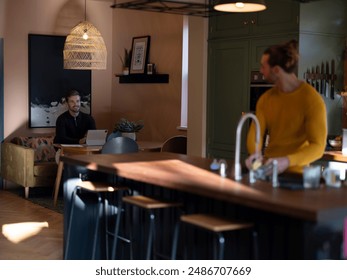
(43, 239)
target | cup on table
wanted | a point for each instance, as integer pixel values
(311, 176)
(332, 177)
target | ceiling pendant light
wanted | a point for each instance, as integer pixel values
(235, 6)
(84, 48)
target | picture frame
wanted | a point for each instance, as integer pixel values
(139, 56)
(49, 82)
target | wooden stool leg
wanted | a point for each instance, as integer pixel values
(57, 182)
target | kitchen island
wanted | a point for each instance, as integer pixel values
(291, 223)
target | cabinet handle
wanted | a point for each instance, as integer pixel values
(253, 21)
(245, 22)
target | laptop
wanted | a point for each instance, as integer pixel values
(96, 137)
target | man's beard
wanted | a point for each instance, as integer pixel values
(75, 109)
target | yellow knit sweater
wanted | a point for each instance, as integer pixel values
(296, 124)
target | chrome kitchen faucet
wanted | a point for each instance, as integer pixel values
(238, 174)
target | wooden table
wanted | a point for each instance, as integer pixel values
(150, 146)
(70, 150)
(334, 156)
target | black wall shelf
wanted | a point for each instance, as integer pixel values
(143, 78)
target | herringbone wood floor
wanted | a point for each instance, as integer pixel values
(47, 244)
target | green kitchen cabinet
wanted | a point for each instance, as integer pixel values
(230, 64)
(279, 17)
(227, 94)
(235, 50)
(258, 46)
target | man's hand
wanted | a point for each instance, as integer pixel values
(282, 163)
(254, 161)
(83, 140)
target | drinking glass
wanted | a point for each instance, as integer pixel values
(312, 176)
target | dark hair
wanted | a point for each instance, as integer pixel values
(286, 56)
(72, 92)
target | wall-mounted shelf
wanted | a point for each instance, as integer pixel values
(143, 78)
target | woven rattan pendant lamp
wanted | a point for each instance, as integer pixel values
(84, 47)
(239, 6)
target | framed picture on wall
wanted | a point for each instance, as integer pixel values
(49, 81)
(140, 53)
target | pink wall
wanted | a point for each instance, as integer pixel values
(49, 17)
(158, 105)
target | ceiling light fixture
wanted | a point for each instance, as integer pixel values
(84, 47)
(245, 6)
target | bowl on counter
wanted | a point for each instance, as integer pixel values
(335, 143)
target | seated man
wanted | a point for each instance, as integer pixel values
(72, 125)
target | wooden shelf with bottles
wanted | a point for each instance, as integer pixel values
(143, 78)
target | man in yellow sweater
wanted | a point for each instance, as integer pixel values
(292, 113)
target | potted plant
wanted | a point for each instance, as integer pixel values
(126, 61)
(128, 128)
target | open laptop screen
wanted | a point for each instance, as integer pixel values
(96, 137)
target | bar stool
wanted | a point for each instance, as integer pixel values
(149, 205)
(118, 145)
(100, 190)
(216, 225)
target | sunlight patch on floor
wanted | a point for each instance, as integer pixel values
(18, 232)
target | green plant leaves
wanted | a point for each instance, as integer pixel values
(124, 125)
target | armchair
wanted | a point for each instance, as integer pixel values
(29, 162)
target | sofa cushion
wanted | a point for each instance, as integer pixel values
(45, 169)
(43, 146)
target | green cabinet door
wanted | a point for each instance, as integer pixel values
(229, 25)
(228, 94)
(281, 16)
(259, 45)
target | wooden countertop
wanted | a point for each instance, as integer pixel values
(192, 174)
(334, 156)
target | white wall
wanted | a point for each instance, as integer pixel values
(197, 86)
(54, 17)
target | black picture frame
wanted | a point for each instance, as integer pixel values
(49, 81)
(139, 54)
